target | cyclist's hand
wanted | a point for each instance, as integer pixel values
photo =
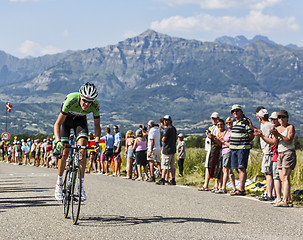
(58, 147)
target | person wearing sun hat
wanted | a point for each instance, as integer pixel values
(240, 139)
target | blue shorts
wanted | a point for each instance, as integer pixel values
(239, 158)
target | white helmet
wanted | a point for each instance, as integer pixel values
(88, 90)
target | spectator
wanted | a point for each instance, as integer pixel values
(240, 139)
(226, 158)
(212, 150)
(181, 153)
(2, 150)
(33, 151)
(108, 153)
(277, 182)
(141, 157)
(117, 150)
(9, 153)
(217, 165)
(154, 149)
(287, 159)
(38, 152)
(270, 140)
(266, 127)
(48, 151)
(26, 150)
(91, 154)
(130, 156)
(44, 152)
(18, 153)
(169, 140)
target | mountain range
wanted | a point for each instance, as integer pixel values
(153, 74)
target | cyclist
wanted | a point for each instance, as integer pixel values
(73, 116)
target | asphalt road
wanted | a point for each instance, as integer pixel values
(123, 209)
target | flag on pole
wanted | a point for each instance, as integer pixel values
(8, 106)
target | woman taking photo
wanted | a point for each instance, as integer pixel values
(287, 159)
(141, 155)
(226, 158)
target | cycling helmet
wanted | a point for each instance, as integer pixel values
(88, 90)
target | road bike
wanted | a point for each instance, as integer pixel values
(72, 186)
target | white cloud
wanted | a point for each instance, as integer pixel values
(30, 48)
(213, 4)
(255, 22)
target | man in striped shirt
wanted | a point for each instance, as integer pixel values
(240, 139)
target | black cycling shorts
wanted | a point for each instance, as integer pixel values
(78, 123)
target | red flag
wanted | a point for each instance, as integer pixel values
(8, 106)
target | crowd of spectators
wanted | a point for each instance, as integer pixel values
(229, 150)
(29, 152)
(227, 143)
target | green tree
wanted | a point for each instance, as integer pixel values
(195, 141)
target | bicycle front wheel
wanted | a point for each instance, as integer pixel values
(76, 195)
(66, 193)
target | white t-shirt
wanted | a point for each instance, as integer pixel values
(265, 128)
(25, 149)
(154, 133)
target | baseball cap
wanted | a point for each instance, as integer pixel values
(181, 135)
(262, 113)
(274, 115)
(214, 115)
(167, 117)
(234, 107)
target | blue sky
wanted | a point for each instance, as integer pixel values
(39, 27)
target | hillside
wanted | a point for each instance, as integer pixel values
(153, 74)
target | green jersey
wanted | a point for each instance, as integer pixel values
(71, 106)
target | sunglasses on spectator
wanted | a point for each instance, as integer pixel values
(237, 110)
(86, 100)
(220, 124)
(228, 122)
(282, 116)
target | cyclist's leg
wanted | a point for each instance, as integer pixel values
(82, 155)
(81, 132)
(64, 135)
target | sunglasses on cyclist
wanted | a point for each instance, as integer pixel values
(86, 100)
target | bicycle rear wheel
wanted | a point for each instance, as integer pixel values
(66, 193)
(76, 195)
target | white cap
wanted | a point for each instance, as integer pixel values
(274, 115)
(167, 117)
(181, 135)
(262, 113)
(234, 107)
(214, 115)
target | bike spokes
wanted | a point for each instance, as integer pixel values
(76, 195)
